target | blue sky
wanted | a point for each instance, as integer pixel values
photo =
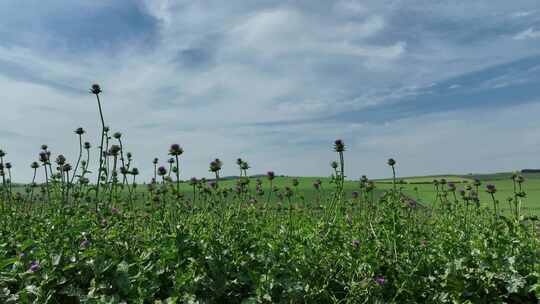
(442, 86)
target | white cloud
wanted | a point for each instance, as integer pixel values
(529, 33)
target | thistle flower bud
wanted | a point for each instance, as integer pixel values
(239, 161)
(162, 171)
(66, 168)
(114, 150)
(270, 175)
(2, 153)
(117, 135)
(354, 195)
(135, 171)
(87, 145)
(175, 150)
(491, 189)
(339, 146)
(334, 164)
(171, 161)
(155, 161)
(215, 165)
(106, 129)
(96, 89)
(34, 165)
(391, 162)
(244, 166)
(44, 157)
(44, 147)
(60, 160)
(295, 182)
(79, 131)
(8, 165)
(129, 155)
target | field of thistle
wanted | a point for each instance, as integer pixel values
(82, 233)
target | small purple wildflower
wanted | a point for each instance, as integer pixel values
(34, 266)
(114, 210)
(85, 243)
(380, 280)
(355, 195)
(491, 189)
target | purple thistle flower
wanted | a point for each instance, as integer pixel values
(162, 171)
(491, 189)
(380, 280)
(451, 186)
(34, 266)
(85, 243)
(114, 210)
(355, 195)
(270, 175)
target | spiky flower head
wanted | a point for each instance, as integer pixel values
(34, 165)
(239, 161)
(354, 195)
(124, 170)
(117, 135)
(2, 153)
(66, 167)
(134, 171)
(175, 150)
(44, 147)
(244, 166)
(334, 164)
(96, 89)
(391, 162)
(114, 150)
(44, 157)
(87, 145)
(162, 171)
(155, 161)
(339, 146)
(477, 182)
(491, 189)
(106, 129)
(171, 160)
(60, 160)
(215, 165)
(8, 165)
(79, 131)
(271, 175)
(295, 182)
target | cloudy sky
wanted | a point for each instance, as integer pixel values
(442, 86)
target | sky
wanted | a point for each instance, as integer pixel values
(441, 86)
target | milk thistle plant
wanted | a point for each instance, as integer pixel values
(218, 244)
